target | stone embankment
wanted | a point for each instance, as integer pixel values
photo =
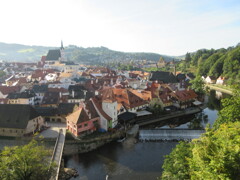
(86, 145)
(68, 173)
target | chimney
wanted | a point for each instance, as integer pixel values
(73, 93)
(60, 94)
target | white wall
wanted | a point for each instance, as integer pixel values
(111, 110)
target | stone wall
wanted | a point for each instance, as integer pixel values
(82, 146)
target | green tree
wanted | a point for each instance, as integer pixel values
(197, 85)
(216, 155)
(231, 109)
(28, 162)
(176, 164)
(188, 57)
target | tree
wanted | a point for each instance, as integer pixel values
(197, 85)
(188, 57)
(176, 164)
(231, 109)
(28, 162)
(216, 155)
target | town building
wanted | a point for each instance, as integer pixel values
(19, 120)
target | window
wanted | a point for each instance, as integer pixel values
(85, 125)
(80, 126)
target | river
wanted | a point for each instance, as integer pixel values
(132, 159)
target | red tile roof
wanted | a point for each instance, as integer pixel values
(9, 89)
(98, 104)
(184, 95)
(128, 99)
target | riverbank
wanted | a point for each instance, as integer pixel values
(220, 88)
(86, 145)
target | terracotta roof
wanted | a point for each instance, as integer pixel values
(98, 104)
(9, 89)
(184, 95)
(146, 95)
(108, 95)
(128, 99)
(78, 116)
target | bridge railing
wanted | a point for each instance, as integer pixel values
(56, 170)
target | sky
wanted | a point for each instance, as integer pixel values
(170, 27)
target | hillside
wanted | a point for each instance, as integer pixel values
(91, 55)
(220, 62)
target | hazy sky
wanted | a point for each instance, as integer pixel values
(171, 27)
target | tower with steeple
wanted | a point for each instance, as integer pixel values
(62, 51)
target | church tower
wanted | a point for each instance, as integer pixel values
(62, 52)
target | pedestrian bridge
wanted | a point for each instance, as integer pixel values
(57, 153)
(169, 134)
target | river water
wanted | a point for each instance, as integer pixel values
(132, 159)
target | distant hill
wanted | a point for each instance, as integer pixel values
(91, 55)
(18, 52)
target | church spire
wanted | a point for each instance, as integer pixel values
(62, 45)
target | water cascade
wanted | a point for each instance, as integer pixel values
(169, 134)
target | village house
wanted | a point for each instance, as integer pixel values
(13, 122)
(5, 90)
(183, 99)
(130, 101)
(51, 99)
(26, 97)
(161, 63)
(105, 120)
(57, 114)
(220, 80)
(39, 90)
(83, 121)
(210, 80)
(78, 93)
(164, 78)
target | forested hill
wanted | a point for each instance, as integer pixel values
(93, 55)
(220, 62)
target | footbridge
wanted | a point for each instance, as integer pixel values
(169, 134)
(57, 153)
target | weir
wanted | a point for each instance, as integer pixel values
(169, 134)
